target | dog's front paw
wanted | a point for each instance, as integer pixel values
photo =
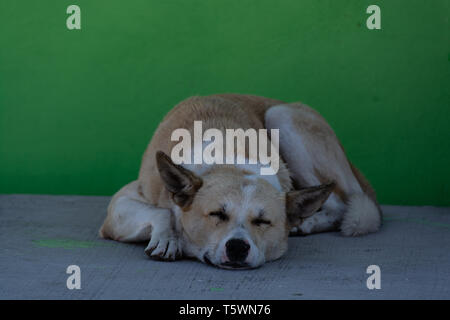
(164, 246)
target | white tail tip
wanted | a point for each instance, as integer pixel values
(361, 217)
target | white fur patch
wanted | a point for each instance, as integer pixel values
(292, 146)
(201, 169)
(255, 169)
(306, 152)
(131, 219)
(361, 217)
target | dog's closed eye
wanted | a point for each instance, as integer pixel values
(220, 214)
(259, 222)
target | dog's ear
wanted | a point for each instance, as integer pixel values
(303, 203)
(180, 182)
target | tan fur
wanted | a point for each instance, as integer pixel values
(230, 191)
(246, 198)
(226, 111)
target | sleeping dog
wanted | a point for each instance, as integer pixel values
(230, 215)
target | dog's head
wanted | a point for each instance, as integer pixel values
(231, 219)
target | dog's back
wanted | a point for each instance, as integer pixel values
(222, 111)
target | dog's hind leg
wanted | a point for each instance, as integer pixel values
(328, 218)
(131, 218)
(315, 156)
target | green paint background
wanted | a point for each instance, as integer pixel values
(77, 108)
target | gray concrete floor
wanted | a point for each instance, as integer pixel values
(41, 235)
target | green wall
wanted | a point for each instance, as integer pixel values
(77, 107)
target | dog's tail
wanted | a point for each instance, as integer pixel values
(362, 216)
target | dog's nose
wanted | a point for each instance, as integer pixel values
(237, 250)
